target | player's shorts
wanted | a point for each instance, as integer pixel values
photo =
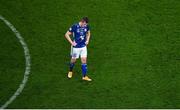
(78, 52)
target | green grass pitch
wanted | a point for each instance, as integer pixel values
(133, 55)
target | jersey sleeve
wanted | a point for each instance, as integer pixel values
(88, 28)
(72, 28)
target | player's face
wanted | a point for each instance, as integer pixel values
(84, 23)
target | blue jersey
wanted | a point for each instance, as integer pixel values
(79, 34)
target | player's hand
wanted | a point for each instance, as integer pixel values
(74, 43)
(87, 42)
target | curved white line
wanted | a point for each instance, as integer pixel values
(28, 63)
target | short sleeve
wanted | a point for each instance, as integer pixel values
(72, 28)
(88, 28)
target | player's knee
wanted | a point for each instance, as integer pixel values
(83, 60)
(73, 60)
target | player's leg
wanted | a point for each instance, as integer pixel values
(74, 55)
(72, 64)
(84, 64)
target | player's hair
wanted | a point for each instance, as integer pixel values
(85, 19)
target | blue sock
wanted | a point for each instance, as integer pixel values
(71, 66)
(84, 69)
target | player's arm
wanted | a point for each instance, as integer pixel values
(88, 37)
(67, 36)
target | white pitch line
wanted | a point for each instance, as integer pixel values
(28, 63)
